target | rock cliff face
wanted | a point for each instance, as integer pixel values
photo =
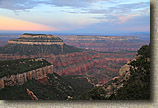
(102, 66)
(118, 82)
(35, 43)
(37, 39)
(20, 79)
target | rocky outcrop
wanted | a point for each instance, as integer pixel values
(31, 94)
(20, 79)
(124, 70)
(124, 76)
(118, 82)
(1, 83)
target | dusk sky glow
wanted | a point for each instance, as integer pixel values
(75, 16)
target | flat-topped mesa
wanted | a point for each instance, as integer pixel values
(28, 35)
(37, 39)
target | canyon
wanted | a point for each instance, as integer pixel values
(70, 71)
(102, 66)
(68, 60)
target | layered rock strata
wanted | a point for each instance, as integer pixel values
(20, 79)
(103, 66)
(105, 43)
(35, 43)
(37, 39)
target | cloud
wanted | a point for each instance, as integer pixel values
(121, 13)
(29, 4)
(134, 5)
(123, 19)
(104, 14)
(134, 24)
(120, 9)
(18, 4)
(118, 13)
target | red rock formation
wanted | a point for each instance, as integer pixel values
(31, 39)
(43, 80)
(31, 94)
(19, 79)
(1, 84)
(36, 43)
(107, 46)
(103, 66)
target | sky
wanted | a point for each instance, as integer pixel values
(75, 16)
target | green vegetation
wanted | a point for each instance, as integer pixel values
(138, 86)
(21, 49)
(144, 51)
(71, 49)
(54, 89)
(12, 67)
(97, 93)
(78, 83)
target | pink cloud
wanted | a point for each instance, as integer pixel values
(123, 19)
